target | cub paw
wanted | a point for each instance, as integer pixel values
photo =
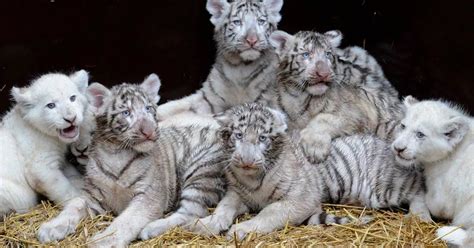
(107, 239)
(207, 226)
(54, 230)
(154, 229)
(239, 231)
(315, 146)
(452, 234)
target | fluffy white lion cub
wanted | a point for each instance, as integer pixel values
(440, 136)
(34, 136)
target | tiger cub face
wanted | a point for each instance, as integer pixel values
(254, 135)
(307, 59)
(242, 27)
(125, 114)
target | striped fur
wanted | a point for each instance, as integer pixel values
(245, 66)
(275, 180)
(329, 92)
(141, 171)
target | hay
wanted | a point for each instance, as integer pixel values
(388, 229)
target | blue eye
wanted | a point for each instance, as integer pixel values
(420, 135)
(261, 21)
(328, 54)
(402, 126)
(125, 113)
(148, 109)
(72, 98)
(51, 105)
(262, 138)
(237, 22)
(238, 135)
(305, 55)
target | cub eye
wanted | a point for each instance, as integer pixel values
(328, 54)
(420, 135)
(305, 55)
(402, 126)
(72, 98)
(126, 113)
(262, 138)
(237, 22)
(148, 109)
(51, 105)
(261, 21)
(238, 135)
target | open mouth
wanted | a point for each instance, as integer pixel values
(69, 133)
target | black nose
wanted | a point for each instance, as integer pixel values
(400, 150)
(70, 120)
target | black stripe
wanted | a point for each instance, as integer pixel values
(103, 170)
(127, 165)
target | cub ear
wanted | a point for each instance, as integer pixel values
(217, 9)
(224, 121)
(280, 121)
(334, 37)
(22, 96)
(81, 79)
(409, 100)
(96, 95)
(151, 85)
(273, 7)
(455, 129)
(280, 40)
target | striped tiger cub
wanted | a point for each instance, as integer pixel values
(329, 92)
(141, 171)
(246, 64)
(269, 175)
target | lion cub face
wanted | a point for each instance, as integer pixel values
(55, 104)
(430, 131)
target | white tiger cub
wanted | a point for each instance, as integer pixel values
(440, 136)
(246, 64)
(269, 175)
(329, 92)
(48, 115)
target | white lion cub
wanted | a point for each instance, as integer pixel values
(34, 135)
(440, 136)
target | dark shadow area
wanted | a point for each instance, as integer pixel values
(425, 47)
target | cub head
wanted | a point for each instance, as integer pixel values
(429, 132)
(243, 27)
(125, 114)
(54, 104)
(255, 135)
(307, 59)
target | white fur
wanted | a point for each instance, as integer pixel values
(446, 150)
(33, 145)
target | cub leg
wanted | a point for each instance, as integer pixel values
(226, 211)
(16, 197)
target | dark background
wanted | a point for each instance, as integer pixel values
(425, 47)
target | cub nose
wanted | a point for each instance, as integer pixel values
(251, 40)
(399, 149)
(322, 70)
(70, 120)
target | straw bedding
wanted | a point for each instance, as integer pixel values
(388, 229)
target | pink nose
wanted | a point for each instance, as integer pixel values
(322, 70)
(251, 40)
(148, 130)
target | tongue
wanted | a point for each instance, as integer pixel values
(69, 132)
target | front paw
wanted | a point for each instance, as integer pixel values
(239, 231)
(154, 229)
(54, 230)
(208, 226)
(107, 239)
(315, 146)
